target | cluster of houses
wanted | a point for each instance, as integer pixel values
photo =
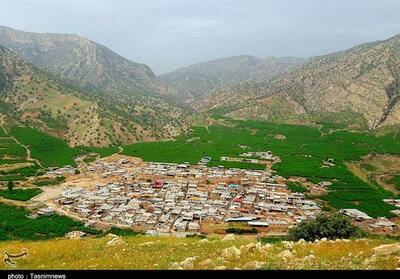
(169, 198)
(378, 225)
(61, 171)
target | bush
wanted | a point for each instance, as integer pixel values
(10, 185)
(333, 227)
(241, 231)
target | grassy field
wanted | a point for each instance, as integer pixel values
(20, 194)
(396, 181)
(49, 181)
(49, 150)
(162, 253)
(296, 187)
(15, 225)
(301, 155)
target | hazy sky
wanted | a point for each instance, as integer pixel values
(167, 34)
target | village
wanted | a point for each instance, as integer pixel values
(182, 199)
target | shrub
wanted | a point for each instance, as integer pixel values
(241, 231)
(330, 227)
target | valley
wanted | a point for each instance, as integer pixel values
(215, 165)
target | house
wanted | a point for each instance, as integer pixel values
(355, 214)
(383, 225)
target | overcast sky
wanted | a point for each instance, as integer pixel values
(167, 34)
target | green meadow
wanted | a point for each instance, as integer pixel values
(20, 194)
(15, 224)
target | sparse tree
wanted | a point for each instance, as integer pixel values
(10, 185)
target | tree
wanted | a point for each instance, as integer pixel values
(10, 185)
(323, 226)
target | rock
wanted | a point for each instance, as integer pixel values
(255, 265)
(287, 244)
(346, 240)
(209, 263)
(324, 239)
(387, 249)
(116, 241)
(301, 242)
(75, 235)
(112, 235)
(231, 252)
(285, 254)
(309, 258)
(204, 240)
(229, 237)
(221, 267)
(264, 249)
(175, 266)
(251, 247)
(188, 263)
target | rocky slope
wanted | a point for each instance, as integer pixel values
(363, 80)
(80, 61)
(193, 82)
(32, 97)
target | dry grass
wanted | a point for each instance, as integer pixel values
(162, 252)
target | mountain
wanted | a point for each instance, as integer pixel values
(193, 82)
(82, 62)
(35, 98)
(363, 81)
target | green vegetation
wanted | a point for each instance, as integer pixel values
(20, 194)
(333, 227)
(49, 181)
(50, 151)
(10, 185)
(296, 187)
(301, 156)
(395, 180)
(15, 225)
(102, 151)
(241, 231)
(120, 232)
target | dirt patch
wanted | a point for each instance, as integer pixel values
(11, 167)
(279, 137)
(381, 180)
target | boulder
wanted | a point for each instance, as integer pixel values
(229, 237)
(309, 258)
(204, 240)
(209, 263)
(264, 249)
(116, 241)
(254, 265)
(251, 247)
(301, 242)
(231, 252)
(387, 249)
(285, 254)
(75, 235)
(188, 263)
(221, 267)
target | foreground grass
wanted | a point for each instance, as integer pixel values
(143, 252)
